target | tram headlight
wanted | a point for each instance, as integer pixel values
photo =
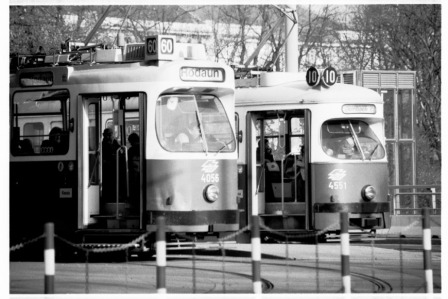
(368, 193)
(211, 193)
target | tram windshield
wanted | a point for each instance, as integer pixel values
(193, 123)
(40, 123)
(351, 140)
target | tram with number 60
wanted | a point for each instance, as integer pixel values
(311, 148)
(103, 141)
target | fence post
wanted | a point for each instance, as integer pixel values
(161, 255)
(256, 255)
(49, 258)
(427, 248)
(345, 253)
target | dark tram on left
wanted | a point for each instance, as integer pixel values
(102, 142)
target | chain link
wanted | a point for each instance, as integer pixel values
(231, 236)
(115, 248)
(310, 234)
(406, 228)
(23, 244)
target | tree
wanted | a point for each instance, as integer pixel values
(408, 37)
(35, 26)
(404, 37)
(316, 25)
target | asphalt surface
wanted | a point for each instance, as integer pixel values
(377, 266)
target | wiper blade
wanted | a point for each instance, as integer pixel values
(224, 146)
(204, 141)
(355, 137)
(374, 150)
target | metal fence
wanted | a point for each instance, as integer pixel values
(287, 266)
(410, 199)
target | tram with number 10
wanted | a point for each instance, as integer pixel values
(103, 141)
(311, 148)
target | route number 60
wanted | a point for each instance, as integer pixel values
(165, 45)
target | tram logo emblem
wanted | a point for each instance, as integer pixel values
(209, 166)
(337, 175)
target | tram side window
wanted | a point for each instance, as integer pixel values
(40, 123)
(193, 123)
(350, 140)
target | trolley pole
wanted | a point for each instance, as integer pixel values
(427, 248)
(345, 254)
(161, 255)
(49, 258)
(256, 255)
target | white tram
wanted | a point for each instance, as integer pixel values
(183, 168)
(311, 149)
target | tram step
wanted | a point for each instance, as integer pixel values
(123, 223)
(113, 216)
(182, 245)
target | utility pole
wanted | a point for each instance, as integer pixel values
(292, 44)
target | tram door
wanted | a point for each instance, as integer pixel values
(112, 161)
(280, 180)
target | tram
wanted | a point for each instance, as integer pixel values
(73, 117)
(310, 148)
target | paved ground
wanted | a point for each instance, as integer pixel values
(309, 269)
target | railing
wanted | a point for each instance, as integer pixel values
(410, 199)
(317, 279)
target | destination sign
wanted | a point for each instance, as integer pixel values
(207, 74)
(359, 108)
(36, 79)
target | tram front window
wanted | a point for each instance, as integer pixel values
(193, 123)
(351, 140)
(40, 123)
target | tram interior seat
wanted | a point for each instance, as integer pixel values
(274, 184)
(26, 146)
(46, 147)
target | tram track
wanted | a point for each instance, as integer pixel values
(382, 286)
(268, 285)
(210, 272)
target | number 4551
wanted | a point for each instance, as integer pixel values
(337, 185)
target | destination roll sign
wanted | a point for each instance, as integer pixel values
(36, 79)
(327, 77)
(207, 74)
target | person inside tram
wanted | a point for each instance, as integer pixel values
(109, 155)
(26, 147)
(347, 147)
(298, 173)
(302, 174)
(269, 168)
(56, 143)
(268, 157)
(134, 170)
(192, 135)
(169, 135)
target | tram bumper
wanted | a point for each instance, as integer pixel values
(367, 215)
(196, 221)
(353, 207)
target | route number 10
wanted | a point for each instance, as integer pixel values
(329, 76)
(314, 77)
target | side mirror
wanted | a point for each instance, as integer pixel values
(71, 124)
(240, 136)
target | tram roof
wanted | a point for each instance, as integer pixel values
(299, 92)
(121, 72)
